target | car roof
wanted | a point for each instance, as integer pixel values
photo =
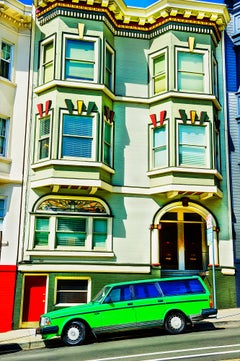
(151, 280)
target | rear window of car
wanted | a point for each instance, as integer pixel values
(181, 287)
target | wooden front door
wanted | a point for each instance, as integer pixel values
(34, 299)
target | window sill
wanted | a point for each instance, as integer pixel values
(153, 173)
(69, 253)
(7, 82)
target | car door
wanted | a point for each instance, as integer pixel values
(117, 312)
(148, 304)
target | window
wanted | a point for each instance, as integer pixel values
(6, 60)
(158, 72)
(41, 231)
(78, 136)
(191, 71)
(181, 287)
(193, 145)
(72, 224)
(3, 136)
(44, 138)
(159, 156)
(108, 142)
(2, 208)
(109, 68)
(215, 78)
(80, 62)
(72, 291)
(47, 61)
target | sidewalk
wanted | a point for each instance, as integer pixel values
(26, 339)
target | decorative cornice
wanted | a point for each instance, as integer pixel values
(15, 14)
(143, 20)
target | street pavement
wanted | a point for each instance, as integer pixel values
(26, 339)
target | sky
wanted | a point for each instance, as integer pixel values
(137, 3)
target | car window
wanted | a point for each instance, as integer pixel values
(145, 290)
(119, 293)
(181, 287)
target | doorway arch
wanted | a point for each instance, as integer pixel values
(179, 240)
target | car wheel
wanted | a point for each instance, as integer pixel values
(74, 333)
(175, 323)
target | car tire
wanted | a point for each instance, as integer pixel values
(74, 333)
(175, 323)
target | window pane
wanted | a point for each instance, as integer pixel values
(159, 74)
(99, 232)
(159, 147)
(2, 204)
(48, 53)
(2, 137)
(192, 145)
(77, 136)
(71, 232)
(44, 138)
(72, 291)
(5, 66)
(79, 59)
(41, 231)
(190, 72)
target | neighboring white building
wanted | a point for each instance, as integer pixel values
(15, 35)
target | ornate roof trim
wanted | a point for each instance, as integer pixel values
(145, 19)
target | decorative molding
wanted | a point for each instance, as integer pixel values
(193, 116)
(162, 116)
(139, 22)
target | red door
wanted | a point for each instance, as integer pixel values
(34, 299)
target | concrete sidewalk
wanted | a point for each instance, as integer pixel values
(25, 339)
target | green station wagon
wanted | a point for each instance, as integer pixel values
(171, 303)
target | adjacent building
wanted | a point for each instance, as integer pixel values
(128, 173)
(15, 24)
(233, 106)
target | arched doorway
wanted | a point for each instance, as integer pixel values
(179, 241)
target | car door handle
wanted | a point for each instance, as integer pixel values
(160, 301)
(130, 304)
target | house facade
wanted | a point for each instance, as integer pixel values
(15, 24)
(233, 98)
(128, 174)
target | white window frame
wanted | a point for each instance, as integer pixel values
(94, 40)
(10, 75)
(39, 139)
(42, 64)
(207, 144)
(206, 76)
(215, 86)
(151, 150)
(112, 70)
(88, 279)
(94, 117)
(152, 57)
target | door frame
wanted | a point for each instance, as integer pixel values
(175, 206)
(23, 324)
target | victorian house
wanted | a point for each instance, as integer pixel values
(15, 24)
(128, 171)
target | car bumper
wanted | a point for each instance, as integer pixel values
(47, 330)
(206, 312)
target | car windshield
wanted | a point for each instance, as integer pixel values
(100, 296)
